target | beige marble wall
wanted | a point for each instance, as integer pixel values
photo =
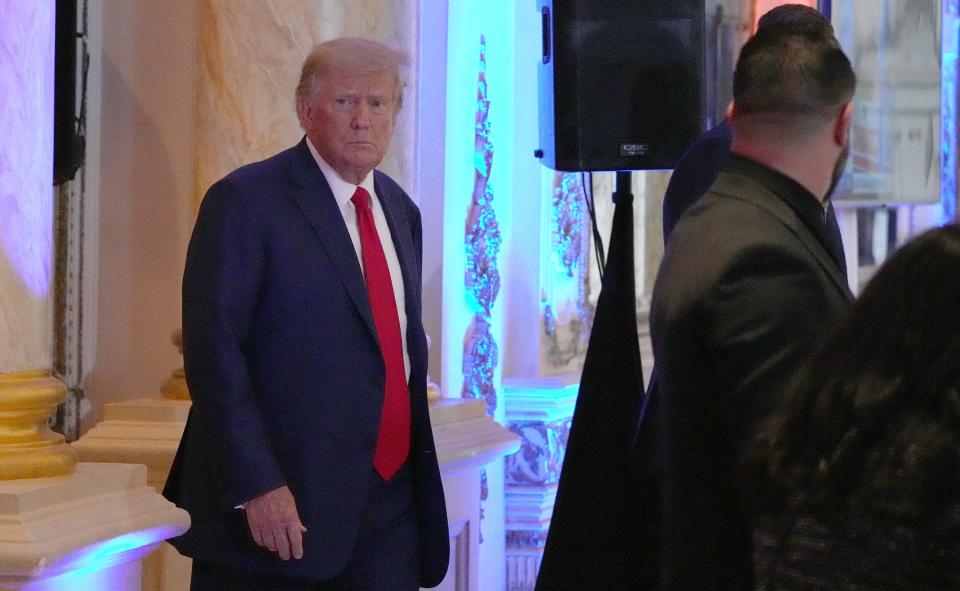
(25, 323)
(250, 58)
(26, 179)
(143, 93)
(604, 184)
(653, 236)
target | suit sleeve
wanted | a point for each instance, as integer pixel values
(221, 283)
(769, 312)
(727, 365)
(695, 172)
(416, 233)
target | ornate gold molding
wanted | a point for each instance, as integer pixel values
(175, 387)
(28, 448)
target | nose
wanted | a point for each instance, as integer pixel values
(361, 115)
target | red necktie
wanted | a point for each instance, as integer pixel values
(393, 443)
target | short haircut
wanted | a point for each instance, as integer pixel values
(348, 55)
(799, 17)
(793, 74)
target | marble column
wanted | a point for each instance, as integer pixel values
(250, 59)
(28, 394)
(62, 526)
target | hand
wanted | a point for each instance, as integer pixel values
(275, 524)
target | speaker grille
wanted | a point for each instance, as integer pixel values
(624, 90)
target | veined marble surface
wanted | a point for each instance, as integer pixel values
(26, 179)
(251, 54)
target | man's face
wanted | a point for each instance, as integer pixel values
(350, 120)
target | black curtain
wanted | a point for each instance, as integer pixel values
(604, 529)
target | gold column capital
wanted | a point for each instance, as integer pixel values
(28, 448)
(175, 386)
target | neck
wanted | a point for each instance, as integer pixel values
(352, 178)
(805, 163)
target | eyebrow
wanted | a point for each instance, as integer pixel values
(353, 94)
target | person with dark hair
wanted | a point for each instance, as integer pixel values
(695, 172)
(698, 167)
(747, 287)
(855, 482)
(700, 163)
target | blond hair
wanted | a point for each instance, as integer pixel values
(350, 55)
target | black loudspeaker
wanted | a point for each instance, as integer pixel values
(621, 83)
(68, 142)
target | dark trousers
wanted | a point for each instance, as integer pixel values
(386, 558)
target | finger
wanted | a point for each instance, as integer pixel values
(283, 544)
(255, 533)
(270, 541)
(296, 541)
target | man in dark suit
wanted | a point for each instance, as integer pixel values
(693, 175)
(748, 285)
(696, 171)
(308, 460)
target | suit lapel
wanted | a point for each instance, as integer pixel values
(767, 200)
(315, 199)
(401, 242)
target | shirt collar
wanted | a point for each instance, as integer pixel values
(811, 211)
(342, 190)
(802, 201)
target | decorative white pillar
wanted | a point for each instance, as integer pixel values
(147, 431)
(478, 168)
(86, 532)
(468, 440)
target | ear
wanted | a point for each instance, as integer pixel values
(841, 126)
(303, 111)
(731, 112)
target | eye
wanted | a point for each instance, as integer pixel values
(344, 103)
(379, 104)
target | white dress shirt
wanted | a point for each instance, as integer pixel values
(343, 193)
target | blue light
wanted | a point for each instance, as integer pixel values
(110, 564)
(948, 112)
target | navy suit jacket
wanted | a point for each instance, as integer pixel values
(286, 373)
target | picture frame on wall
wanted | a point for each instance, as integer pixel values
(897, 150)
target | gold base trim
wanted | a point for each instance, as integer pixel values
(28, 448)
(175, 387)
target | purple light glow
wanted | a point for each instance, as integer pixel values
(26, 140)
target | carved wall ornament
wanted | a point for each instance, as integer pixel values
(541, 454)
(482, 240)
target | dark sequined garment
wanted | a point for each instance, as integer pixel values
(876, 547)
